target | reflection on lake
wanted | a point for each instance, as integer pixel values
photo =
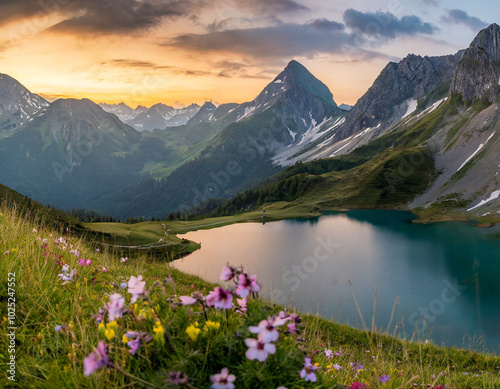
(447, 273)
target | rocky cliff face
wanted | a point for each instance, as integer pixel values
(301, 98)
(478, 73)
(398, 83)
(17, 104)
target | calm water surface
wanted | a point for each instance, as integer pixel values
(445, 276)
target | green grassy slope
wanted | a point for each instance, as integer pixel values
(46, 358)
(388, 180)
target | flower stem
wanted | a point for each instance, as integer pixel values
(118, 368)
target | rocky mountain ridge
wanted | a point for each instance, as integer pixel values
(478, 73)
(17, 104)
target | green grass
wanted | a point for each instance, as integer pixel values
(46, 359)
(442, 209)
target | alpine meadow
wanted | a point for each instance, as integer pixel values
(249, 194)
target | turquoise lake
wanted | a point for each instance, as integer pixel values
(444, 276)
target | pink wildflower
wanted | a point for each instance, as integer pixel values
(97, 359)
(136, 287)
(246, 285)
(220, 298)
(228, 273)
(307, 373)
(259, 349)
(242, 305)
(267, 329)
(115, 306)
(187, 300)
(223, 380)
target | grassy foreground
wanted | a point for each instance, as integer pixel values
(182, 346)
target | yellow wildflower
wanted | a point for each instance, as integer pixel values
(211, 325)
(159, 333)
(101, 329)
(125, 339)
(110, 334)
(112, 325)
(158, 327)
(193, 332)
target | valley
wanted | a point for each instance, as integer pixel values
(358, 243)
(74, 154)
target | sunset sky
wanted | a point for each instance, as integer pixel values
(187, 51)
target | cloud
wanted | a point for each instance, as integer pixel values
(285, 40)
(122, 16)
(219, 69)
(325, 24)
(101, 16)
(385, 24)
(274, 6)
(458, 16)
(11, 10)
(132, 63)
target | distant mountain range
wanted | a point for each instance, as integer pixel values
(149, 162)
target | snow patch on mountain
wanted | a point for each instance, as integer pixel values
(292, 153)
(412, 107)
(475, 152)
(495, 195)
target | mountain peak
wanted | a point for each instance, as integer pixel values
(208, 105)
(75, 109)
(17, 104)
(162, 107)
(478, 73)
(205, 114)
(488, 40)
(294, 65)
(296, 75)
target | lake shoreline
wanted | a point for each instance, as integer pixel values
(294, 212)
(150, 232)
(397, 255)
